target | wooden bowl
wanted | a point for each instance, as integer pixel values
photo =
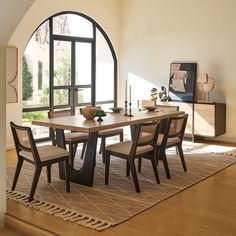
(150, 108)
(116, 109)
(88, 112)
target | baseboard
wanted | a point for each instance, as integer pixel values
(24, 228)
(10, 146)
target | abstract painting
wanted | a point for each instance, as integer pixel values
(182, 81)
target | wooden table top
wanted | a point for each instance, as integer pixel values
(112, 120)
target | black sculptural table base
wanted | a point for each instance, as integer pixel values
(85, 174)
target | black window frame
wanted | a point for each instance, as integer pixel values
(74, 39)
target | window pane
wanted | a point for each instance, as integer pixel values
(83, 63)
(61, 97)
(38, 131)
(83, 95)
(62, 63)
(35, 69)
(104, 70)
(72, 25)
(106, 107)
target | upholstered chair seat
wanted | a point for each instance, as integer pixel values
(125, 148)
(46, 153)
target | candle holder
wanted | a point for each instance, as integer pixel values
(130, 110)
(126, 109)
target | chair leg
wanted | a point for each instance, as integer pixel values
(74, 150)
(107, 166)
(49, 173)
(121, 137)
(176, 149)
(35, 182)
(157, 156)
(17, 173)
(67, 175)
(127, 169)
(165, 163)
(100, 149)
(71, 151)
(154, 166)
(181, 154)
(139, 164)
(103, 149)
(134, 174)
(83, 150)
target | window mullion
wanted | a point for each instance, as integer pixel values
(51, 66)
(93, 67)
(73, 65)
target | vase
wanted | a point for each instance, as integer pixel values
(88, 112)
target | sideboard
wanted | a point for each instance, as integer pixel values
(205, 119)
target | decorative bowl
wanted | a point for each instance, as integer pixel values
(150, 108)
(88, 112)
(116, 109)
(100, 114)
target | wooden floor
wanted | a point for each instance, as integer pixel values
(207, 208)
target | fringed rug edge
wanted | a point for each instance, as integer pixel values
(61, 212)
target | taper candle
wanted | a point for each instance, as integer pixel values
(126, 90)
(130, 94)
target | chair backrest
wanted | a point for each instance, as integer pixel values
(175, 127)
(24, 141)
(145, 103)
(59, 113)
(142, 138)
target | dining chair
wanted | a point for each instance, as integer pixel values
(140, 147)
(147, 130)
(106, 134)
(160, 108)
(39, 156)
(71, 138)
(172, 137)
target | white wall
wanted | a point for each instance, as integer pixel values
(155, 33)
(10, 14)
(104, 12)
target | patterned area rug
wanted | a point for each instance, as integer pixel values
(103, 206)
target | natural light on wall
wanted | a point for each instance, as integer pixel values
(104, 70)
(140, 88)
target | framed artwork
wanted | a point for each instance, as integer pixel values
(182, 81)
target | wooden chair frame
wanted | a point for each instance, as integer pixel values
(164, 144)
(36, 160)
(130, 166)
(72, 144)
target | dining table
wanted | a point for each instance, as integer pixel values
(77, 123)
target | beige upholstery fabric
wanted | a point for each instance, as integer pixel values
(46, 152)
(75, 136)
(124, 148)
(170, 141)
(109, 132)
(145, 137)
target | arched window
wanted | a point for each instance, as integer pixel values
(69, 61)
